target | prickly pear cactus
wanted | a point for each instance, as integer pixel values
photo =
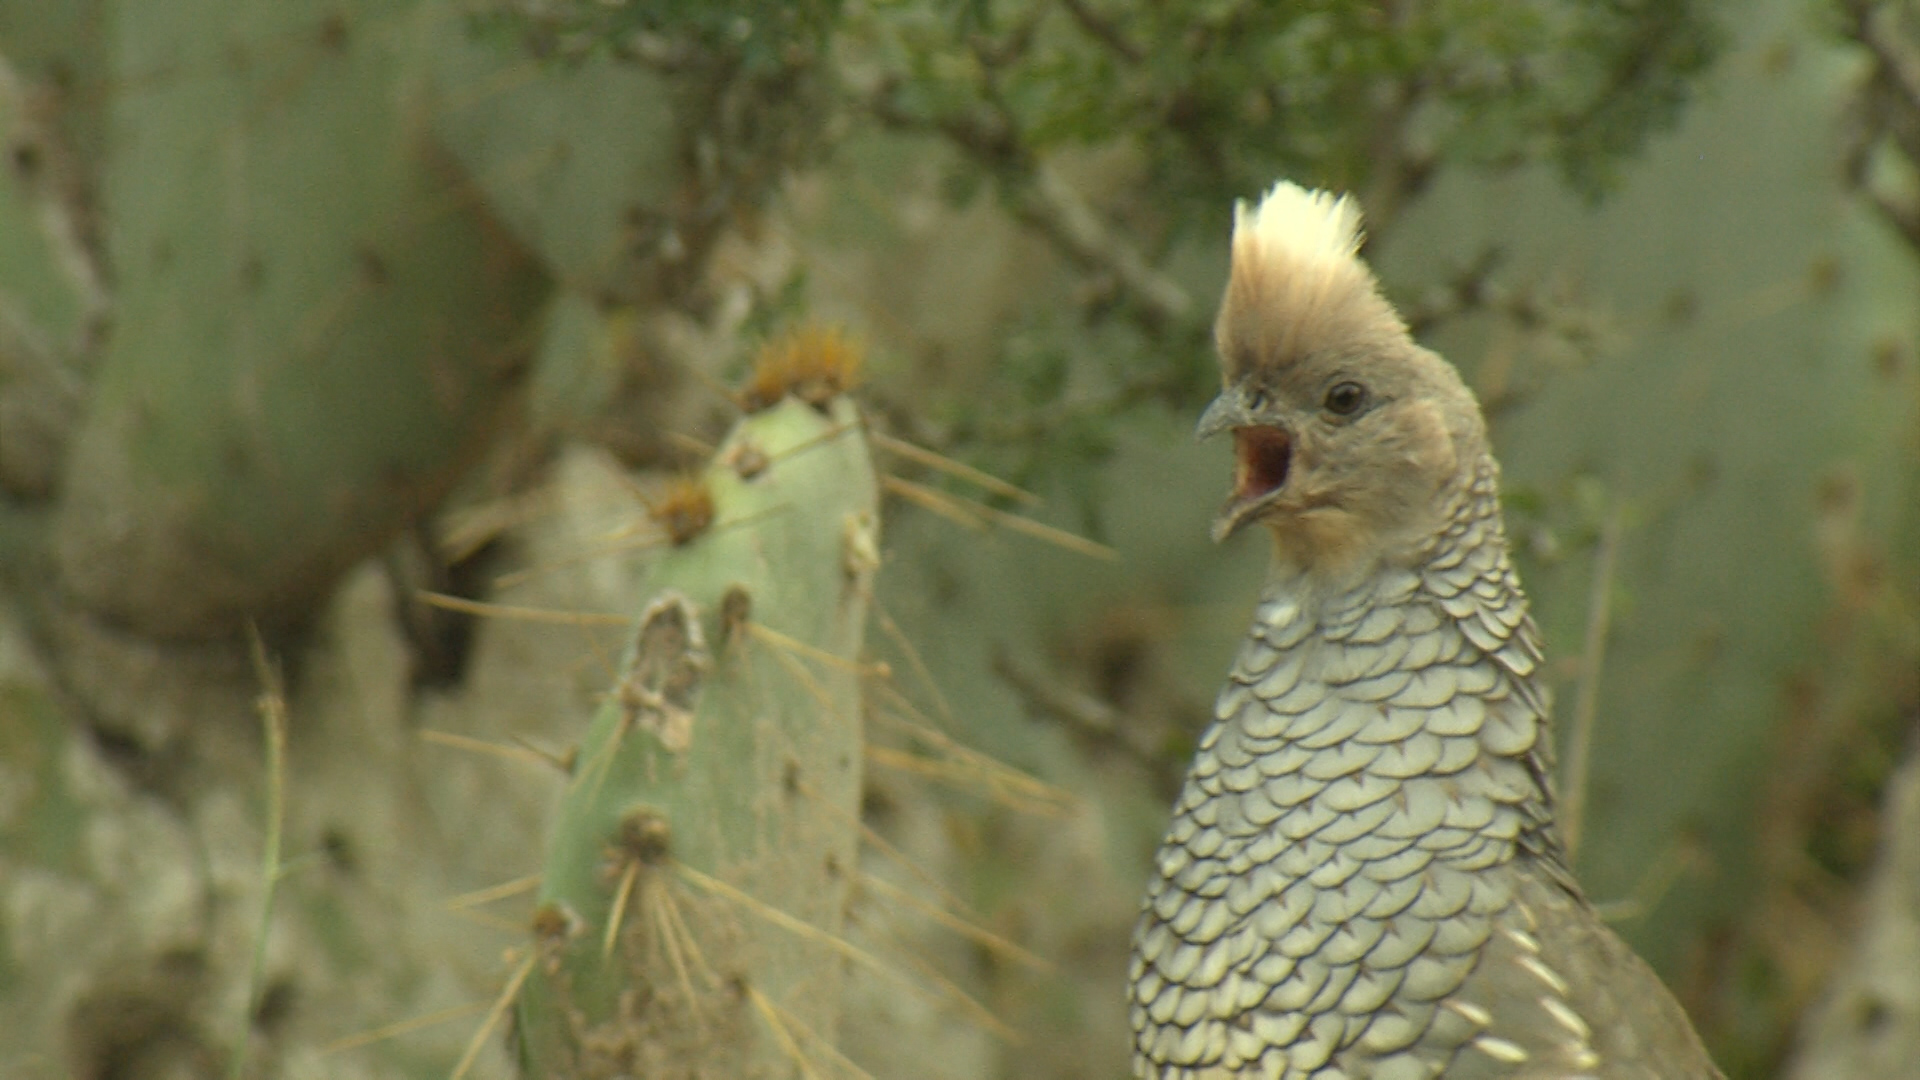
(700, 866)
(52, 298)
(617, 141)
(572, 157)
(315, 330)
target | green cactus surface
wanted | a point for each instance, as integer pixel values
(620, 155)
(700, 867)
(37, 289)
(574, 158)
(315, 328)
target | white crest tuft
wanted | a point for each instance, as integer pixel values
(1306, 228)
(1297, 285)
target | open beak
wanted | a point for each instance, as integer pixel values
(1262, 455)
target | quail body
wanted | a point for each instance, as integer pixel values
(1363, 877)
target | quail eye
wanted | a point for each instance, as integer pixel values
(1345, 399)
(1256, 399)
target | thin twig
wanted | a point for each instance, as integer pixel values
(1091, 719)
(1102, 29)
(1050, 206)
(1047, 204)
(1587, 698)
(1465, 291)
(272, 704)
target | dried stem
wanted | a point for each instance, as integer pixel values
(1573, 806)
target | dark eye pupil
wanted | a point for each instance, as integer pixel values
(1344, 398)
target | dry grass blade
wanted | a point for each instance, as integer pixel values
(488, 895)
(788, 1044)
(1674, 862)
(403, 1027)
(697, 447)
(272, 704)
(1586, 704)
(821, 656)
(810, 932)
(807, 682)
(963, 777)
(482, 746)
(998, 773)
(769, 1010)
(500, 1006)
(883, 846)
(980, 516)
(980, 1013)
(522, 614)
(624, 545)
(920, 455)
(516, 927)
(832, 434)
(919, 666)
(467, 530)
(929, 500)
(562, 762)
(979, 935)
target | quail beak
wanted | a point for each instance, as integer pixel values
(1262, 454)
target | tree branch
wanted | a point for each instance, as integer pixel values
(1102, 29)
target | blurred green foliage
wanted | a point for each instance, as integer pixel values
(1221, 97)
(760, 35)
(1166, 113)
(618, 144)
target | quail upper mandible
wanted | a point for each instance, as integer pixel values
(1363, 877)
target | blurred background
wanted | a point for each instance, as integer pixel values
(310, 307)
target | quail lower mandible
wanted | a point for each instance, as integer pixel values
(1363, 877)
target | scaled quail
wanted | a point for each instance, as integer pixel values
(1363, 878)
